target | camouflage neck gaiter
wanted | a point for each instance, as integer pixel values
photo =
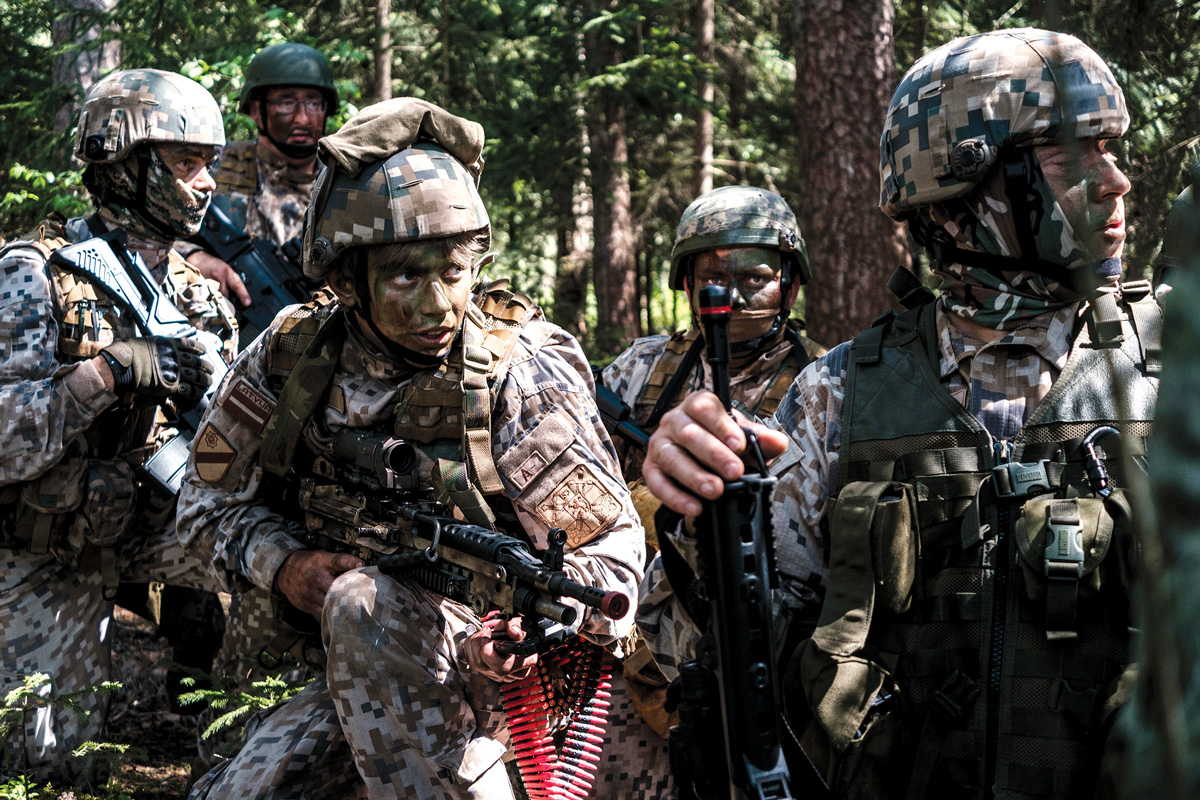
(172, 209)
(984, 222)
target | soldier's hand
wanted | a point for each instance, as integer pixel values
(159, 366)
(481, 652)
(214, 269)
(696, 445)
(306, 575)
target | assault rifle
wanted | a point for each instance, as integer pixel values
(736, 567)
(270, 277)
(106, 260)
(372, 508)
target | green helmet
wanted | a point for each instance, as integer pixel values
(134, 106)
(288, 64)
(384, 181)
(738, 215)
(965, 103)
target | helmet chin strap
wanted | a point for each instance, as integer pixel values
(289, 150)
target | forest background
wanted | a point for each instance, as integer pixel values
(605, 118)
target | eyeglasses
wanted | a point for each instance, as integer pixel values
(288, 106)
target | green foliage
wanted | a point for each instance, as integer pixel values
(236, 705)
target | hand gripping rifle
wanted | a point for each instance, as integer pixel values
(272, 280)
(105, 260)
(374, 509)
(736, 567)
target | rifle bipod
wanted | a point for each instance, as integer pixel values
(556, 717)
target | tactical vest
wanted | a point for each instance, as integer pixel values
(445, 413)
(976, 625)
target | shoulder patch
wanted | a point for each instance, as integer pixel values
(213, 455)
(581, 505)
(248, 405)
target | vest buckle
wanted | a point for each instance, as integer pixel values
(1064, 550)
(1011, 480)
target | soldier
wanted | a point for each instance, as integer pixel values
(81, 389)
(1176, 239)
(748, 239)
(265, 186)
(498, 405)
(951, 475)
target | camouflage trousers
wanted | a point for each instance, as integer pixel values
(55, 620)
(397, 705)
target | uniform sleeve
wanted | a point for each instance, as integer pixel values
(810, 415)
(44, 405)
(625, 376)
(559, 469)
(223, 520)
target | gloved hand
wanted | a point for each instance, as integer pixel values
(159, 366)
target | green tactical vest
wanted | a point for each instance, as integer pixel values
(976, 626)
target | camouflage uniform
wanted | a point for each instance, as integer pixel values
(418, 721)
(72, 518)
(262, 193)
(953, 653)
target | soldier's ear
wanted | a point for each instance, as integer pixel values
(342, 284)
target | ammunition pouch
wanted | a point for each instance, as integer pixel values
(1071, 550)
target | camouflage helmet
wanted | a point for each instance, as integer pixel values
(134, 106)
(965, 103)
(421, 192)
(737, 215)
(288, 64)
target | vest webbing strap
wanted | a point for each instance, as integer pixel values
(682, 367)
(302, 393)
(1147, 317)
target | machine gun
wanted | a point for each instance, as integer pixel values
(106, 260)
(736, 567)
(272, 280)
(370, 506)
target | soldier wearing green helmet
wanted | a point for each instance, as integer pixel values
(953, 478)
(748, 239)
(87, 380)
(264, 186)
(497, 407)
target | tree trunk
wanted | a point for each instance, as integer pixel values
(614, 262)
(845, 75)
(383, 50)
(705, 11)
(80, 66)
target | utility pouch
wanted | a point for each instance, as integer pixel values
(1062, 545)
(108, 503)
(840, 698)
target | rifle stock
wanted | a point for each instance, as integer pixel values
(618, 417)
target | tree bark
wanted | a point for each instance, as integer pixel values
(614, 262)
(705, 11)
(845, 75)
(383, 50)
(81, 66)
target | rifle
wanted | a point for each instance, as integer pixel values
(373, 508)
(105, 259)
(736, 567)
(617, 416)
(270, 277)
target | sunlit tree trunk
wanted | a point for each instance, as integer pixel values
(383, 50)
(845, 75)
(84, 61)
(705, 11)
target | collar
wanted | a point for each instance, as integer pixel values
(152, 252)
(1048, 335)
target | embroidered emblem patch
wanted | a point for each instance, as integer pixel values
(246, 404)
(213, 455)
(581, 505)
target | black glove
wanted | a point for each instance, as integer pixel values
(159, 366)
